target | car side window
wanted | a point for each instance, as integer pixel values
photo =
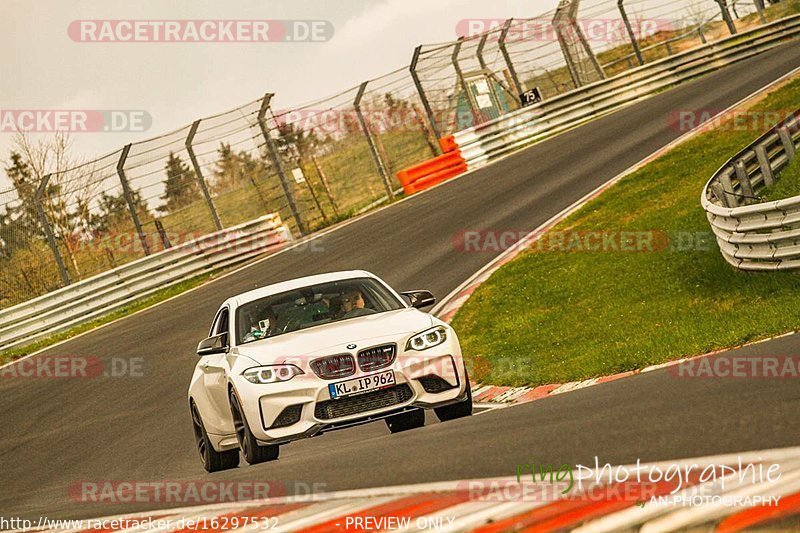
(220, 324)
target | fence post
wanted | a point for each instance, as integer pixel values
(376, 158)
(565, 20)
(485, 68)
(48, 230)
(275, 157)
(311, 189)
(430, 136)
(559, 27)
(766, 167)
(788, 143)
(421, 91)
(588, 49)
(260, 194)
(479, 51)
(162, 234)
(744, 182)
(126, 192)
(198, 172)
(726, 16)
(462, 81)
(631, 34)
(760, 8)
(501, 43)
(701, 34)
(727, 187)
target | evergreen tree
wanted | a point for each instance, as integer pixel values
(21, 176)
(226, 171)
(249, 167)
(180, 185)
(114, 212)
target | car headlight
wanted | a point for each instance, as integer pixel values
(262, 375)
(427, 339)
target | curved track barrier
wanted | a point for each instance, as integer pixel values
(94, 297)
(481, 144)
(753, 234)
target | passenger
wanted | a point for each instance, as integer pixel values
(263, 327)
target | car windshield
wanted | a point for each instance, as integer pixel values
(312, 306)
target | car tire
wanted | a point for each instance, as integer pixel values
(405, 421)
(213, 461)
(456, 410)
(252, 451)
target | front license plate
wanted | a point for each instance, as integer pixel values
(361, 385)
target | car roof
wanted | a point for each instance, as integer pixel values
(276, 288)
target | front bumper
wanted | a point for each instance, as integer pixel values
(302, 407)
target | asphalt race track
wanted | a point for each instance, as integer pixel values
(55, 433)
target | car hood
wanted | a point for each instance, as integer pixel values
(327, 339)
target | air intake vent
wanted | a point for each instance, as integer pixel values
(362, 403)
(432, 383)
(290, 415)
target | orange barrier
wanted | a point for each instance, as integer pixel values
(448, 144)
(434, 171)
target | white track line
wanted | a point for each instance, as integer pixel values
(343, 508)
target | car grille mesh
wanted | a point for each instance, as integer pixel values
(334, 366)
(330, 409)
(376, 357)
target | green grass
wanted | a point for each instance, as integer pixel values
(160, 296)
(555, 316)
(787, 185)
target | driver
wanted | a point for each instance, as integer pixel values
(352, 303)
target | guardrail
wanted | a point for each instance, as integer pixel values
(756, 235)
(481, 144)
(96, 296)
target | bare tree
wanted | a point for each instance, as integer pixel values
(72, 187)
(697, 13)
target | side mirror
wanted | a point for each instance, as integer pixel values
(213, 345)
(419, 299)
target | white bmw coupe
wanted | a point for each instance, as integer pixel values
(299, 358)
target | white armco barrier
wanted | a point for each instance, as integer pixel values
(101, 294)
(753, 234)
(488, 141)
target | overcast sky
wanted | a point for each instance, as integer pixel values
(178, 82)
